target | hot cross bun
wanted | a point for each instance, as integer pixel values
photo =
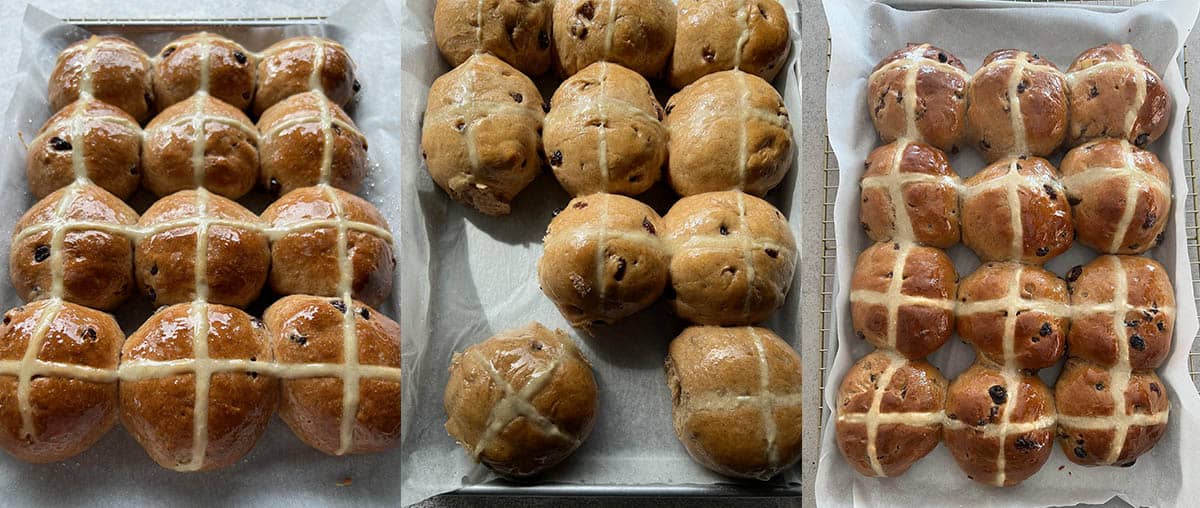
(522, 401)
(736, 399)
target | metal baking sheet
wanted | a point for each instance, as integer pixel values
(280, 470)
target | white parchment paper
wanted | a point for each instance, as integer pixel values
(862, 33)
(469, 276)
(281, 469)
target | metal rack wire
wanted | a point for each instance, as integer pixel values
(829, 245)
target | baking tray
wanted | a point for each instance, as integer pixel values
(321, 485)
(828, 248)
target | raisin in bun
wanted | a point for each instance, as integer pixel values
(1035, 300)
(719, 35)
(90, 262)
(930, 107)
(1091, 432)
(918, 177)
(306, 140)
(733, 257)
(304, 247)
(165, 407)
(310, 330)
(1018, 106)
(1000, 424)
(902, 298)
(539, 406)
(302, 64)
(107, 68)
(1123, 312)
(235, 253)
(1116, 94)
(1016, 210)
(58, 412)
(481, 137)
(204, 62)
(729, 130)
(889, 413)
(516, 31)
(603, 259)
(637, 34)
(604, 132)
(736, 399)
(109, 143)
(1103, 179)
(227, 155)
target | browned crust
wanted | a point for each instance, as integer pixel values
(97, 265)
(291, 157)
(69, 415)
(1042, 93)
(308, 329)
(158, 413)
(735, 440)
(286, 72)
(237, 258)
(1092, 336)
(231, 70)
(915, 387)
(635, 267)
(230, 156)
(120, 75)
(1099, 206)
(706, 120)
(928, 273)
(642, 39)
(932, 207)
(568, 399)
(708, 33)
(1038, 338)
(516, 31)
(306, 262)
(1047, 229)
(111, 150)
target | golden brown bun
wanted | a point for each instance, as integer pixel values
(108, 68)
(1018, 106)
(481, 133)
(309, 329)
(735, 399)
(306, 261)
(521, 401)
(179, 70)
(729, 130)
(908, 418)
(96, 262)
(293, 146)
(1033, 298)
(237, 256)
(637, 34)
(719, 35)
(617, 232)
(1098, 177)
(919, 282)
(1139, 330)
(110, 143)
(936, 105)
(733, 257)
(1044, 228)
(292, 66)
(1088, 429)
(604, 132)
(1116, 94)
(68, 415)
(516, 31)
(921, 176)
(159, 409)
(229, 149)
(999, 426)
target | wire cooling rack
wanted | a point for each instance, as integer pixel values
(829, 245)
